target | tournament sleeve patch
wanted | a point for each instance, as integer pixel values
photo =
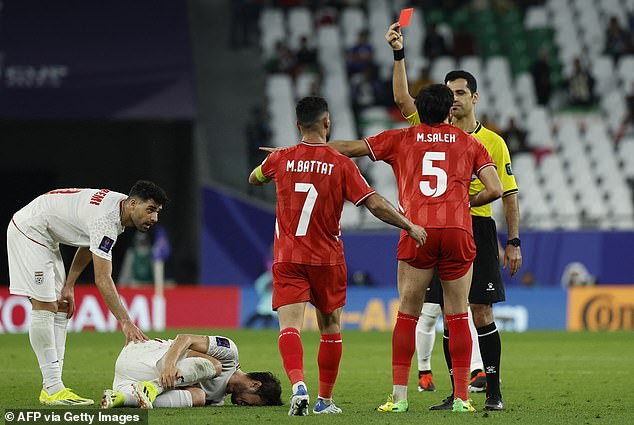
(509, 170)
(106, 244)
(222, 342)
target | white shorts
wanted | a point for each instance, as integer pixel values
(139, 362)
(35, 270)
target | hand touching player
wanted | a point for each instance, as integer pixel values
(394, 37)
(417, 233)
(169, 375)
(132, 332)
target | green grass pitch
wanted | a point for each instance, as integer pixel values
(547, 378)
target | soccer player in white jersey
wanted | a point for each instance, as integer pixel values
(91, 220)
(189, 371)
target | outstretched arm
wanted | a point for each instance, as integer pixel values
(384, 211)
(350, 148)
(105, 284)
(402, 98)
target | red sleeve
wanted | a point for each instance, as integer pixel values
(355, 188)
(269, 164)
(482, 157)
(383, 145)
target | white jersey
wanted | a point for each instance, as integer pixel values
(143, 362)
(224, 350)
(76, 217)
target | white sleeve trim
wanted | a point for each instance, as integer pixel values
(366, 196)
(372, 155)
(488, 164)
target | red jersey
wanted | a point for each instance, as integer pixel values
(433, 166)
(312, 181)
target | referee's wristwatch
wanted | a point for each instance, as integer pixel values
(515, 242)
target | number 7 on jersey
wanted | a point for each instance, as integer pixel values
(307, 209)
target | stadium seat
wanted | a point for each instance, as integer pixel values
(625, 70)
(525, 91)
(440, 66)
(300, 23)
(272, 29)
(352, 22)
(536, 17)
(603, 72)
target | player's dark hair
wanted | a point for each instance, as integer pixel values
(310, 110)
(433, 103)
(472, 84)
(146, 190)
(271, 390)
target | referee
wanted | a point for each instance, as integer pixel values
(487, 287)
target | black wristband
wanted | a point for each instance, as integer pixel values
(399, 54)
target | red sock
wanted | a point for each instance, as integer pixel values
(460, 351)
(290, 346)
(328, 361)
(403, 346)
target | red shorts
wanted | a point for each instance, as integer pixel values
(323, 286)
(451, 251)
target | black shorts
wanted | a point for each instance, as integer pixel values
(487, 286)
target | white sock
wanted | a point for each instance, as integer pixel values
(297, 384)
(399, 392)
(194, 370)
(60, 328)
(426, 334)
(476, 358)
(42, 337)
(174, 398)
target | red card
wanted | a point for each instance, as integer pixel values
(406, 15)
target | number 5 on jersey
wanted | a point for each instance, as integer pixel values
(307, 209)
(430, 170)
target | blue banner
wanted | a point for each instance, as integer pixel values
(85, 59)
(375, 310)
(237, 235)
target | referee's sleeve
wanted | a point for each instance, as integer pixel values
(505, 169)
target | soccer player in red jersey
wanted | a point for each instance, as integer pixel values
(312, 181)
(433, 163)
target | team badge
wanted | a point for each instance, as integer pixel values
(509, 170)
(39, 278)
(222, 342)
(106, 244)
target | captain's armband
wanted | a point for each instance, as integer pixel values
(260, 175)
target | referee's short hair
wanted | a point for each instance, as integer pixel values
(433, 103)
(471, 81)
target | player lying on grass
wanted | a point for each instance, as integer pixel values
(189, 371)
